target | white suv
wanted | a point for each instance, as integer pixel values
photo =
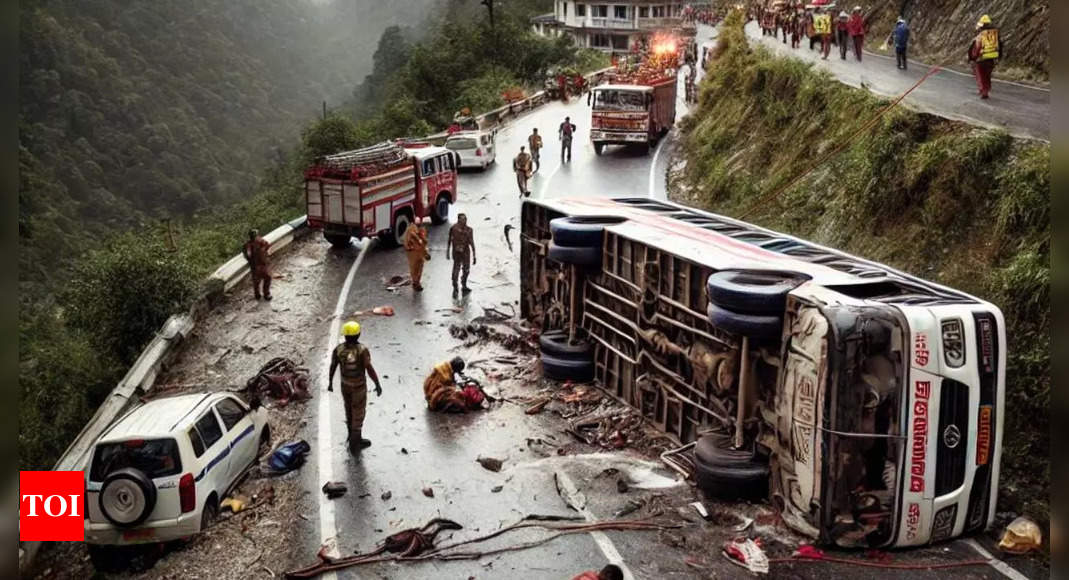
(476, 148)
(159, 472)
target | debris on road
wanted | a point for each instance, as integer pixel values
(496, 488)
(288, 457)
(280, 379)
(429, 492)
(538, 406)
(395, 283)
(1021, 536)
(700, 508)
(235, 503)
(508, 228)
(567, 490)
(377, 311)
(386, 495)
(621, 486)
(747, 553)
(490, 463)
(334, 489)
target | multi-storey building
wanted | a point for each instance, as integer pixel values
(612, 26)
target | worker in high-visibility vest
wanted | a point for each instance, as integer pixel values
(984, 52)
(822, 28)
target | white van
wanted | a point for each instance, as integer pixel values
(476, 148)
(159, 473)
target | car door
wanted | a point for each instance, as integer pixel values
(213, 474)
(240, 431)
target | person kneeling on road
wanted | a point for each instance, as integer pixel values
(442, 393)
(355, 360)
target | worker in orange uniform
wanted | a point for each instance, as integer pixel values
(415, 242)
(355, 361)
(984, 52)
(609, 572)
(256, 252)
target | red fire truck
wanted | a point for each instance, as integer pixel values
(638, 107)
(380, 190)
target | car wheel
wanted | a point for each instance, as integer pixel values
(749, 325)
(127, 497)
(107, 559)
(727, 473)
(209, 513)
(338, 240)
(753, 291)
(581, 232)
(567, 369)
(555, 343)
(575, 256)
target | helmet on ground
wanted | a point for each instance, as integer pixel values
(351, 328)
(985, 19)
(457, 364)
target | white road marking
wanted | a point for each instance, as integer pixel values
(995, 563)
(328, 530)
(545, 185)
(600, 538)
(653, 164)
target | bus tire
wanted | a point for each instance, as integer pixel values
(555, 343)
(753, 291)
(575, 369)
(749, 325)
(396, 236)
(575, 256)
(580, 232)
(338, 240)
(730, 473)
(440, 213)
(598, 148)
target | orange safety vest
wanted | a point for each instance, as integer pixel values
(822, 24)
(988, 38)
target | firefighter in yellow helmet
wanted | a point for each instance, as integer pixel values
(355, 360)
(984, 52)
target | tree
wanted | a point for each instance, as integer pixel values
(328, 136)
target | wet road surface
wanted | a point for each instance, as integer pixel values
(1020, 110)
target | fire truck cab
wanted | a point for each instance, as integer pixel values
(380, 190)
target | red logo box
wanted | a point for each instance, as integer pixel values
(51, 505)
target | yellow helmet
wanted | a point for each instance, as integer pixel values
(985, 19)
(351, 328)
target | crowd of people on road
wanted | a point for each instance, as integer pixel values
(794, 21)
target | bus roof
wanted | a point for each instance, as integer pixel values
(720, 243)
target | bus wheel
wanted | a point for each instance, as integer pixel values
(727, 473)
(440, 213)
(598, 147)
(749, 325)
(753, 292)
(580, 370)
(581, 232)
(575, 256)
(555, 343)
(338, 240)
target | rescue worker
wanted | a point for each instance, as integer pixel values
(810, 31)
(534, 141)
(822, 26)
(441, 391)
(565, 132)
(255, 251)
(842, 33)
(984, 52)
(521, 164)
(900, 36)
(797, 28)
(461, 246)
(856, 27)
(355, 361)
(415, 242)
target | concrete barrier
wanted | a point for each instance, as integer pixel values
(141, 377)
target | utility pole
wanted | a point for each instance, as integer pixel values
(490, 8)
(324, 110)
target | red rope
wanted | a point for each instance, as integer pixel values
(868, 125)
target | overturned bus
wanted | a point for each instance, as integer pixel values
(866, 403)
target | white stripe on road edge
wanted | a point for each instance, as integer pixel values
(545, 185)
(600, 538)
(328, 530)
(653, 165)
(995, 563)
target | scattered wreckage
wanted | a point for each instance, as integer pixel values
(864, 402)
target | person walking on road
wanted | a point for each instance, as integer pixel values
(842, 33)
(256, 251)
(856, 26)
(822, 26)
(415, 242)
(900, 37)
(355, 361)
(984, 52)
(461, 246)
(534, 141)
(521, 164)
(565, 133)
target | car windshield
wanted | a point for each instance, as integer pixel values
(865, 438)
(610, 100)
(457, 144)
(155, 457)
